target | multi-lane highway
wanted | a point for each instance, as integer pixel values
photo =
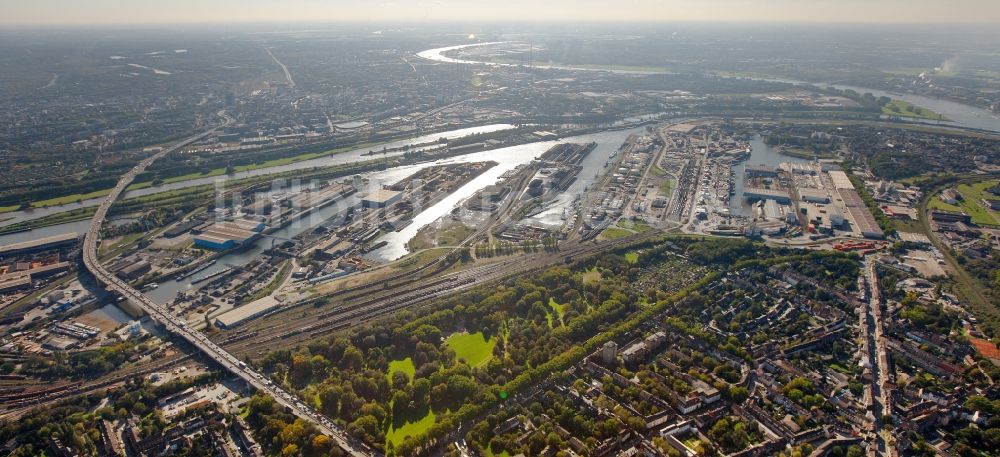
(198, 340)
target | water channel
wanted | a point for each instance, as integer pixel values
(355, 155)
(961, 115)
(760, 154)
(507, 159)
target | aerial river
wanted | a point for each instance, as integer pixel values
(961, 115)
(326, 161)
(507, 159)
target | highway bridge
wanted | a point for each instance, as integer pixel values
(180, 329)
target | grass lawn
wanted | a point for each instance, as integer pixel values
(667, 187)
(837, 367)
(490, 453)
(455, 234)
(611, 67)
(118, 243)
(591, 276)
(937, 203)
(256, 166)
(215, 172)
(418, 428)
(559, 311)
(692, 442)
(187, 193)
(72, 215)
(472, 347)
(905, 71)
(637, 68)
(907, 109)
(914, 180)
(908, 226)
(418, 259)
(632, 257)
(70, 198)
(614, 233)
(272, 286)
(971, 203)
(67, 199)
(405, 365)
(638, 226)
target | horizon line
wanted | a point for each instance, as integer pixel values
(481, 22)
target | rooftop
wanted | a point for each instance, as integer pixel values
(41, 242)
(863, 219)
(381, 195)
(765, 193)
(840, 180)
(248, 311)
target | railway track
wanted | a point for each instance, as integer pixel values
(14, 406)
(350, 313)
(356, 309)
(248, 341)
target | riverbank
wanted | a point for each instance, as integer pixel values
(906, 109)
(958, 114)
(396, 142)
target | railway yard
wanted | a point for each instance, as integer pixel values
(458, 238)
(236, 280)
(322, 280)
(303, 271)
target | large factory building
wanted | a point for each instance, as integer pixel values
(227, 235)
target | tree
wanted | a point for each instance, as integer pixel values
(352, 359)
(739, 394)
(427, 333)
(321, 444)
(400, 380)
(290, 450)
(301, 371)
(983, 404)
(365, 426)
(536, 442)
(293, 433)
(329, 400)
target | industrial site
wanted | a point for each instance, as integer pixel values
(465, 242)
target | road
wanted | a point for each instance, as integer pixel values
(288, 74)
(630, 210)
(180, 329)
(881, 398)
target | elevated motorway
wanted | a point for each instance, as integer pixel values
(198, 340)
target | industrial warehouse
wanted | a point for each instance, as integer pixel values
(229, 234)
(819, 196)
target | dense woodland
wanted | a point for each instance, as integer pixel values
(347, 376)
(536, 327)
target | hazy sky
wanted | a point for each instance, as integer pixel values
(175, 11)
